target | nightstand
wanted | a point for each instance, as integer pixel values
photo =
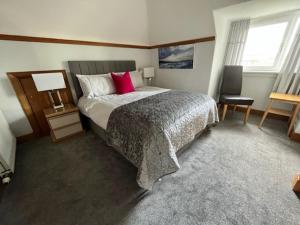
(64, 122)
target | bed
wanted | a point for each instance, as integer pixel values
(147, 126)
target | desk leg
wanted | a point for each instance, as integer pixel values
(265, 114)
(293, 110)
(293, 118)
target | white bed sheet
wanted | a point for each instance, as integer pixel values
(99, 109)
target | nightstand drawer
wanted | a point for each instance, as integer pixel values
(67, 131)
(64, 120)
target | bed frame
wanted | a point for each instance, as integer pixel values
(93, 68)
(97, 67)
(101, 67)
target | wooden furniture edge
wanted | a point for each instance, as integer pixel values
(295, 136)
(24, 103)
(9, 37)
(12, 76)
(71, 109)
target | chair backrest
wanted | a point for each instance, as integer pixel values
(232, 80)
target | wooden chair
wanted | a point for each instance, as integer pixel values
(231, 91)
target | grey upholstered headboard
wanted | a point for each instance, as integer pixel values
(97, 67)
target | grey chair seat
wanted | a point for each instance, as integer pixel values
(236, 100)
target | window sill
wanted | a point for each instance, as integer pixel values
(260, 74)
(261, 71)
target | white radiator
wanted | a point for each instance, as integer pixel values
(7, 150)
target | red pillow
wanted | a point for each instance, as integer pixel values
(122, 83)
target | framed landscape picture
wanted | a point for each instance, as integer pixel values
(176, 57)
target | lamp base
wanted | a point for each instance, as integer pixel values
(55, 99)
(149, 80)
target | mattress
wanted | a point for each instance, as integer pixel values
(99, 109)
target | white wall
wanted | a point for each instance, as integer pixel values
(123, 21)
(92, 20)
(177, 20)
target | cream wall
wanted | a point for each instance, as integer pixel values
(123, 21)
(195, 79)
(24, 56)
(92, 20)
(130, 21)
(177, 20)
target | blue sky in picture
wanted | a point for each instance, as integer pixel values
(177, 57)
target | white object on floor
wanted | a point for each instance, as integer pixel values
(99, 108)
(7, 150)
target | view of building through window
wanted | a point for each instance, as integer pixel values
(263, 45)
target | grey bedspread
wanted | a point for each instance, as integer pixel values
(148, 132)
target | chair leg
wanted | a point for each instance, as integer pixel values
(234, 108)
(247, 114)
(219, 107)
(224, 111)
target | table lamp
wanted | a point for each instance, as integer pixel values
(148, 73)
(50, 82)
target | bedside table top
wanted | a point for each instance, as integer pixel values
(68, 108)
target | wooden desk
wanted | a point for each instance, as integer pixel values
(285, 98)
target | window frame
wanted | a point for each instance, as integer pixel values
(293, 21)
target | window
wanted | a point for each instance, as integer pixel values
(267, 43)
(263, 45)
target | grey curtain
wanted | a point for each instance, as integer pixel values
(288, 80)
(236, 42)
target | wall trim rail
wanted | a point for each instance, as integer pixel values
(186, 42)
(9, 37)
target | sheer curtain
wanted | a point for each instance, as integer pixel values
(236, 42)
(288, 80)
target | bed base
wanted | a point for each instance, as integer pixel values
(102, 134)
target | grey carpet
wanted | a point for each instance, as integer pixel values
(233, 174)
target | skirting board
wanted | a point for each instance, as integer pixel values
(260, 113)
(26, 137)
(294, 136)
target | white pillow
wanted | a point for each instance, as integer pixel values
(85, 86)
(96, 85)
(136, 78)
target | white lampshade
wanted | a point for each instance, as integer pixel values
(148, 72)
(48, 81)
